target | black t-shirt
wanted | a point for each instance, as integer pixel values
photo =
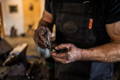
(106, 12)
(111, 8)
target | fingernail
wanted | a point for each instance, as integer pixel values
(56, 48)
(67, 62)
(53, 54)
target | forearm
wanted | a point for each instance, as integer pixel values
(47, 19)
(109, 52)
(106, 53)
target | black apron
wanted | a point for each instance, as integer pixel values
(75, 24)
(73, 21)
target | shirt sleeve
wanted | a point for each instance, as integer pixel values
(112, 11)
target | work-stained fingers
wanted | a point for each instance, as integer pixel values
(61, 60)
(62, 46)
(61, 55)
(39, 39)
(41, 36)
(66, 57)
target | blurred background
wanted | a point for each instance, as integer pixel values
(18, 20)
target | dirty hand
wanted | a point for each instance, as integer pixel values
(73, 54)
(41, 35)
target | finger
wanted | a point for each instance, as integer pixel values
(53, 54)
(68, 62)
(60, 60)
(64, 46)
(38, 39)
(62, 55)
(37, 35)
(48, 30)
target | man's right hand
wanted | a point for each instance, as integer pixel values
(41, 36)
(42, 32)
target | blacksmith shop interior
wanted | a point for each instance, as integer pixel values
(89, 31)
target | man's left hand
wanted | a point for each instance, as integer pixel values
(73, 54)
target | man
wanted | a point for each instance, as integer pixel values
(93, 27)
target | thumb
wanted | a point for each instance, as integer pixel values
(68, 46)
(53, 34)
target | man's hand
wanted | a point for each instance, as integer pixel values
(43, 33)
(73, 54)
(41, 36)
